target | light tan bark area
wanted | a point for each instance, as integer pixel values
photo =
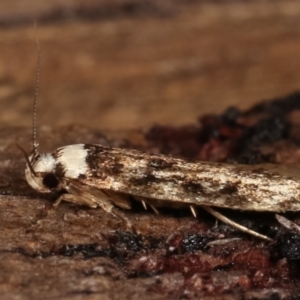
(166, 65)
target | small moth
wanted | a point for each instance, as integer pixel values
(99, 176)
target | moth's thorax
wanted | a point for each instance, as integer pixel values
(72, 160)
(67, 162)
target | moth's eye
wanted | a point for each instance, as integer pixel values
(50, 181)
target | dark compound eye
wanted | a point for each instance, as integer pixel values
(50, 181)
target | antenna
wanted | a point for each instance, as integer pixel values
(36, 92)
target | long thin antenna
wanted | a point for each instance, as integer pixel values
(36, 93)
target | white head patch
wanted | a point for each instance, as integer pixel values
(44, 164)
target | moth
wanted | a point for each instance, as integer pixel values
(99, 176)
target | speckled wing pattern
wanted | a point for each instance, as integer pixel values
(172, 180)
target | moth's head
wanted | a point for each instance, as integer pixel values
(40, 172)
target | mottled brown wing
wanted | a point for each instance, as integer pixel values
(164, 178)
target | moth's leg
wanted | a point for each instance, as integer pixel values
(193, 210)
(119, 215)
(83, 200)
(118, 199)
(92, 197)
(144, 204)
(288, 224)
(76, 199)
(109, 208)
(82, 195)
(154, 209)
(108, 201)
(142, 200)
(234, 224)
